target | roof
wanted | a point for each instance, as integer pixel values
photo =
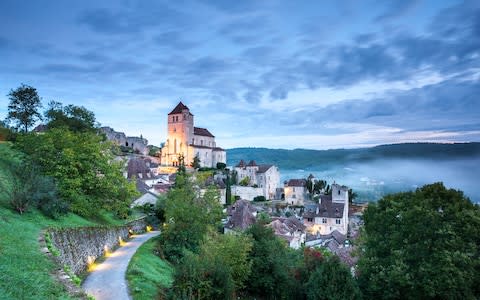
(218, 149)
(326, 209)
(142, 187)
(252, 163)
(241, 164)
(263, 168)
(241, 215)
(297, 182)
(40, 128)
(138, 166)
(202, 132)
(285, 226)
(179, 109)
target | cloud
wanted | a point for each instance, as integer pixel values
(396, 9)
(174, 39)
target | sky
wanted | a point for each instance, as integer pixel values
(276, 74)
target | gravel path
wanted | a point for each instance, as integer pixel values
(107, 281)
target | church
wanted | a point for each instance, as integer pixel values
(185, 139)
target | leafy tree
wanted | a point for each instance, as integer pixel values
(82, 163)
(228, 190)
(75, 118)
(351, 195)
(5, 132)
(154, 151)
(23, 107)
(245, 181)
(272, 275)
(196, 162)
(189, 217)
(221, 166)
(421, 245)
(309, 186)
(25, 187)
(320, 186)
(331, 280)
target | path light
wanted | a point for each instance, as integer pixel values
(149, 228)
(106, 251)
(91, 265)
(120, 241)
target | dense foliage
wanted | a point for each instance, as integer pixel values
(421, 245)
(72, 117)
(88, 177)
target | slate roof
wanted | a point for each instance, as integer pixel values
(40, 128)
(263, 168)
(252, 163)
(297, 182)
(202, 132)
(285, 226)
(241, 215)
(138, 166)
(325, 209)
(241, 164)
(179, 109)
(142, 187)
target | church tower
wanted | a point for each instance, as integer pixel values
(180, 135)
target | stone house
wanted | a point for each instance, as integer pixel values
(240, 216)
(330, 213)
(188, 141)
(289, 229)
(295, 191)
(264, 178)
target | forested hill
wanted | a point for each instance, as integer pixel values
(304, 158)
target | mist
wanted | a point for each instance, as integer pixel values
(373, 179)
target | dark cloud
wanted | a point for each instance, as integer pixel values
(397, 9)
(134, 19)
(174, 39)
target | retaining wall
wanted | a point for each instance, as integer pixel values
(81, 246)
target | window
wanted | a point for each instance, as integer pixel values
(294, 196)
(338, 192)
(174, 129)
(338, 221)
(309, 219)
(293, 189)
(193, 141)
(201, 142)
(324, 220)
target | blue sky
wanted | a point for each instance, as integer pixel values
(278, 74)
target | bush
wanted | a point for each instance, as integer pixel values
(221, 166)
(259, 199)
(245, 181)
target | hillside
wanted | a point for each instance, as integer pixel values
(24, 269)
(305, 159)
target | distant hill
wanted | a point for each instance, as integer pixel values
(305, 159)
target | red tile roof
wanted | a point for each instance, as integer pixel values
(202, 131)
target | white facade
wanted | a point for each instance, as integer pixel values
(264, 177)
(185, 140)
(295, 192)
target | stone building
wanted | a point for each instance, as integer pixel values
(263, 177)
(330, 213)
(188, 141)
(295, 191)
(138, 144)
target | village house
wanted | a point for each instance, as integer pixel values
(330, 213)
(295, 191)
(240, 216)
(187, 142)
(263, 180)
(289, 229)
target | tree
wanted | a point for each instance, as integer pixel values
(245, 181)
(189, 216)
(421, 245)
(196, 162)
(75, 118)
(23, 107)
(221, 166)
(320, 185)
(83, 165)
(228, 190)
(351, 195)
(331, 280)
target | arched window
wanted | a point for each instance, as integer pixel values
(175, 146)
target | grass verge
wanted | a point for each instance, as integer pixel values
(148, 274)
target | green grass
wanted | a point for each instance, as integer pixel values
(25, 272)
(147, 273)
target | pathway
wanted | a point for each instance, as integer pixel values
(107, 280)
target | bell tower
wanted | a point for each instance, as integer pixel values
(180, 134)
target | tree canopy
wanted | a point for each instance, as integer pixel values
(84, 167)
(75, 118)
(421, 245)
(23, 107)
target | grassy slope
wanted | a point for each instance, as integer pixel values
(24, 270)
(147, 274)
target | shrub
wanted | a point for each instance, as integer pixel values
(221, 166)
(245, 181)
(259, 199)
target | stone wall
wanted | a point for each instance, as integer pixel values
(79, 247)
(247, 192)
